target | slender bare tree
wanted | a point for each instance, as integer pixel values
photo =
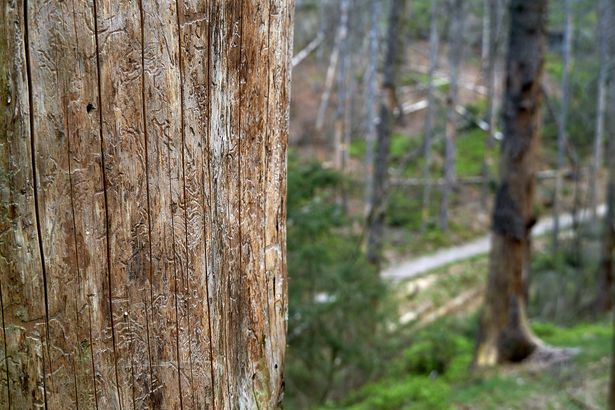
(388, 105)
(342, 32)
(605, 10)
(431, 109)
(370, 101)
(562, 130)
(455, 43)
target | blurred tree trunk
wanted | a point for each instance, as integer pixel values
(341, 91)
(489, 60)
(455, 43)
(504, 333)
(340, 36)
(611, 397)
(562, 132)
(604, 296)
(370, 102)
(388, 104)
(431, 108)
(142, 190)
(604, 26)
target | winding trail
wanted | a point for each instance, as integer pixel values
(480, 246)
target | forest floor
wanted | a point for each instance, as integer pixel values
(578, 383)
(438, 324)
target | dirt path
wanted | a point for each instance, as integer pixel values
(480, 246)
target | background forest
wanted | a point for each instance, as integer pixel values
(397, 127)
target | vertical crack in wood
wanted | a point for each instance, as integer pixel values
(78, 262)
(36, 204)
(264, 182)
(104, 175)
(174, 250)
(149, 209)
(6, 357)
(72, 210)
(207, 155)
(183, 138)
(92, 346)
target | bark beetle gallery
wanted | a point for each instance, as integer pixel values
(142, 185)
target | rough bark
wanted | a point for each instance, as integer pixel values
(431, 110)
(504, 333)
(142, 186)
(388, 104)
(455, 42)
(562, 132)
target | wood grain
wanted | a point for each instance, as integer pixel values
(142, 213)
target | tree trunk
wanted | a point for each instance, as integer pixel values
(142, 186)
(333, 63)
(504, 333)
(604, 27)
(611, 397)
(562, 133)
(455, 41)
(604, 296)
(388, 104)
(491, 10)
(341, 90)
(431, 108)
(370, 102)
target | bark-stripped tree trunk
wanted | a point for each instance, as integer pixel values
(504, 333)
(142, 186)
(370, 102)
(604, 26)
(455, 41)
(388, 104)
(431, 109)
(562, 132)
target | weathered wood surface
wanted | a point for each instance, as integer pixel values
(142, 212)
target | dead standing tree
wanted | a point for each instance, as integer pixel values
(504, 333)
(142, 186)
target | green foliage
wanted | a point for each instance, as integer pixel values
(357, 148)
(563, 286)
(433, 351)
(336, 299)
(414, 79)
(407, 393)
(471, 147)
(422, 375)
(414, 384)
(402, 144)
(402, 210)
